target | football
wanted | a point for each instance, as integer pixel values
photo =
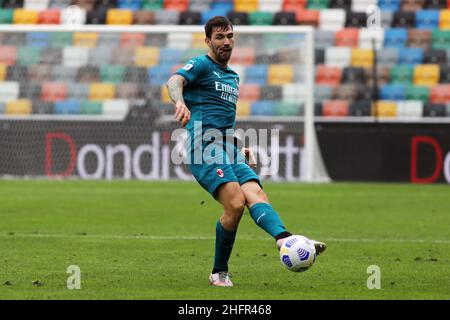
(297, 253)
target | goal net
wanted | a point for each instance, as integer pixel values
(90, 102)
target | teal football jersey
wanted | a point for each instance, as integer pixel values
(211, 94)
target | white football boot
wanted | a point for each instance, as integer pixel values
(220, 279)
(320, 246)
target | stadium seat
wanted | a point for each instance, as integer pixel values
(308, 17)
(190, 18)
(222, 6)
(347, 37)
(102, 91)
(387, 18)
(119, 16)
(146, 56)
(78, 91)
(245, 5)
(360, 108)
(392, 92)
(37, 5)
(85, 39)
(75, 56)
(395, 38)
(319, 55)
(445, 74)
(249, 92)
(332, 19)
(38, 39)
(18, 107)
(129, 4)
(353, 75)
(404, 19)
(293, 92)
(238, 18)
(260, 18)
(143, 17)
(131, 91)
(154, 5)
(96, 16)
(435, 56)
(17, 73)
(42, 107)
(245, 56)
(159, 74)
(123, 56)
(170, 56)
(177, 5)
(271, 6)
(165, 98)
(410, 56)
(90, 107)
(100, 55)
(106, 4)
(427, 19)
(410, 109)
(385, 109)
(67, 107)
(23, 16)
(2, 72)
(426, 75)
(279, 74)
(111, 73)
(9, 90)
(335, 108)
(348, 91)
(323, 39)
(389, 5)
(6, 16)
(338, 56)
(435, 4)
(284, 18)
(434, 110)
(288, 109)
(419, 38)
(440, 93)
(328, 75)
(402, 74)
(444, 19)
(257, 74)
(361, 6)
(417, 93)
(61, 39)
(262, 108)
(412, 5)
(136, 74)
(271, 93)
(132, 40)
(28, 56)
(318, 4)
(356, 20)
(87, 74)
(440, 39)
(199, 5)
(63, 73)
(368, 36)
(362, 57)
(293, 5)
(50, 16)
(323, 92)
(243, 108)
(53, 91)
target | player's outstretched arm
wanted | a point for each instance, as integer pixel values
(175, 86)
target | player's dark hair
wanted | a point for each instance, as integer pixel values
(219, 22)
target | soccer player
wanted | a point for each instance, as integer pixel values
(205, 91)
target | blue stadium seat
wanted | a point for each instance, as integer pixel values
(68, 107)
(395, 38)
(206, 15)
(389, 5)
(257, 74)
(222, 5)
(410, 56)
(159, 74)
(129, 4)
(262, 108)
(427, 19)
(170, 56)
(392, 92)
(38, 39)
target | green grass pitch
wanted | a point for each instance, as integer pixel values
(155, 240)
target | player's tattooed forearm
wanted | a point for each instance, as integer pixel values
(175, 89)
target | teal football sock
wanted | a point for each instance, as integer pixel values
(267, 219)
(224, 245)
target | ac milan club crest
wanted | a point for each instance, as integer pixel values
(219, 173)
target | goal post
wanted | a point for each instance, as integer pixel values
(87, 101)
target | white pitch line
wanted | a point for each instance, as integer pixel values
(150, 237)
